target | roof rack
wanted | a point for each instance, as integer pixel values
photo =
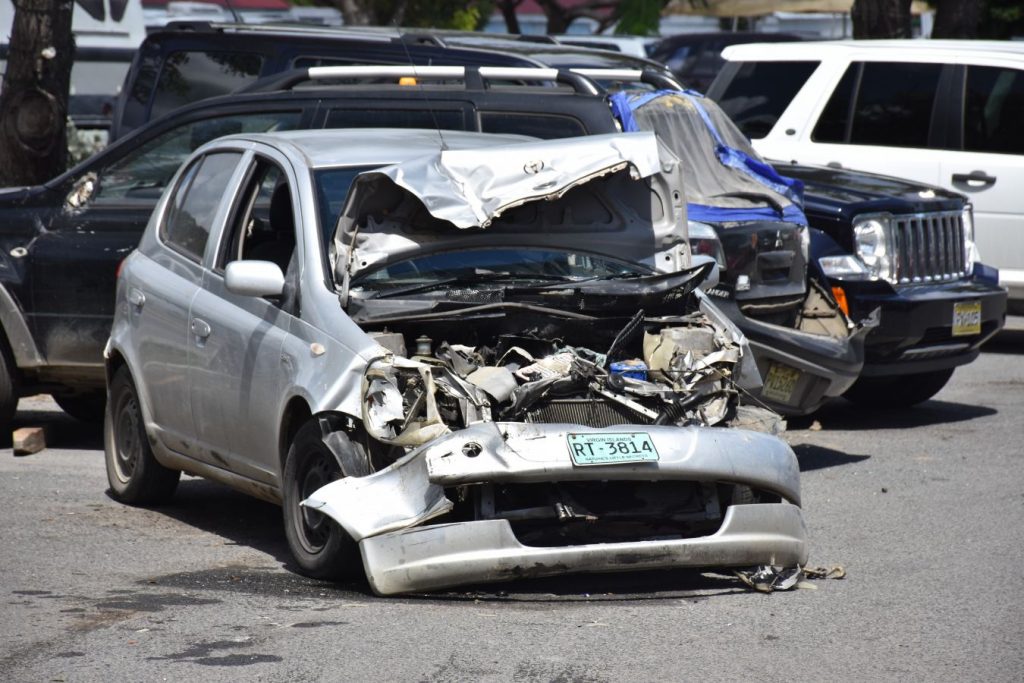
(580, 80)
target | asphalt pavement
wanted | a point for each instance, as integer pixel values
(923, 509)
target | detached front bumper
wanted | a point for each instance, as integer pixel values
(827, 366)
(445, 555)
(915, 328)
(384, 511)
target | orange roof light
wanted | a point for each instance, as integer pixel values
(407, 80)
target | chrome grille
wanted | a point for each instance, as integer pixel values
(592, 413)
(929, 247)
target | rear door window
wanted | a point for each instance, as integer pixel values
(760, 91)
(544, 126)
(881, 103)
(423, 117)
(194, 206)
(145, 171)
(191, 76)
(994, 110)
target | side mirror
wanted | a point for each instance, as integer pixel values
(254, 278)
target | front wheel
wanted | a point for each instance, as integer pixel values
(321, 548)
(134, 475)
(902, 391)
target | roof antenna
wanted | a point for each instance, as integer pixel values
(419, 87)
(234, 13)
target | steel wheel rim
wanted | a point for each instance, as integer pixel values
(128, 443)
(315, 527)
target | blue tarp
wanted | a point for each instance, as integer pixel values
(624, 104)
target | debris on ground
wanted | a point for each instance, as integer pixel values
(767, 579)
(28, 440)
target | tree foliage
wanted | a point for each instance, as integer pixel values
(454, 14)
(881, 18)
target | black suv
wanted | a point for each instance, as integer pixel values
(190, 61)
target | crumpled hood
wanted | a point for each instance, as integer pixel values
(448, 200)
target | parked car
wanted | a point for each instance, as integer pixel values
(696, 58)
(477, 360)
(194, 60)
(942, 113)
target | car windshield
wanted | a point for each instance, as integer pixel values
(332, 185)
(499, 264)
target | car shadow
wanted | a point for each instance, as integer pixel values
(229, 514)
(813, 457)
(841, 414)
(60, 429)
(1007, 341)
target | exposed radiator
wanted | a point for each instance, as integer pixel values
(929, 247)
(588, 412)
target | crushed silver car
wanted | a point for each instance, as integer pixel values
(466, 358)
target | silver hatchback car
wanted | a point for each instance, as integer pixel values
(465, 358)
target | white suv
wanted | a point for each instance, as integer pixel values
(946, 113)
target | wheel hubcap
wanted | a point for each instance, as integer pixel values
(316, 527)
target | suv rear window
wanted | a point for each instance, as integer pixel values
(994, 110)
(544, 126)
(891, 107)
(191, 76)
(396, 118)
(760, 91)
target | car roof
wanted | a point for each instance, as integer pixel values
(373, 146)
(911, 47)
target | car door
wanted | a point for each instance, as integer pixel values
(987, 162)
(878, 117)
(161, 288)
(237, 373)
(106, 206)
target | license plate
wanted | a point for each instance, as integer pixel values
(611, 449)
(780, 383)
(966, 318)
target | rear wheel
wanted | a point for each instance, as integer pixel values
(321, 548)
(89, 406)
(8, 390)
(897, 392)
(134, 475)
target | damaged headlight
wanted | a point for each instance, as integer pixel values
(399, 403)
(873, 244)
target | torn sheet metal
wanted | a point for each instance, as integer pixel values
(470, 188)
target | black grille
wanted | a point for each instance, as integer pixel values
(588, 412)
(929, 247)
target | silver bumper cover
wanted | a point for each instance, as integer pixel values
(445, 555)
(384, 511)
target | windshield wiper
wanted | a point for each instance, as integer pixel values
(466, 280)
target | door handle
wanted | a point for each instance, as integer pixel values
(974, 179)
(136, 298)
(200, 328)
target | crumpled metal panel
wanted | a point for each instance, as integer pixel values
(444, 555)
(470, 188)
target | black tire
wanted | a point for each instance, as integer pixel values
(134, 475)
(89, 406)
(903, 391)
(8, 390)
(321, 548)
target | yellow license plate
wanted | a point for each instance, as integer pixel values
(966, 318)
(780, 383)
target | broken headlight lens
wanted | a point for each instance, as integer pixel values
(704, 241)
(873, 244)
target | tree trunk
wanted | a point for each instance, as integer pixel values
(558, 16)
(881, 18)
(508, 11)
(354, 12)
(957, 19)
(34, 100)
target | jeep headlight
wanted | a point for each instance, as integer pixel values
(971, 255)
(873, 246)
